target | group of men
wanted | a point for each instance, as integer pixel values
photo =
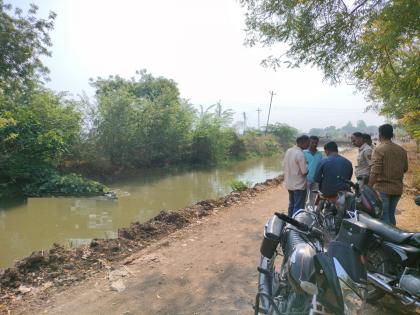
(307, 171)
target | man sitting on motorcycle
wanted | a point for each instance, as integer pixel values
(331, 169)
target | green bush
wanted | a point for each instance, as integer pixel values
(65, 185)
(238, 185)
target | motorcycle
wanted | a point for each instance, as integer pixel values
(310, 279)
(392, 255)
(393, 262)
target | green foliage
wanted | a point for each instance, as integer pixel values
(64, 185)
(258, 144)
(23, 41)
(142, 121)
(411, 123)
(213, 140)
(345, 131)
(238, 185)
(373, 43)
(36, 137)
(285, 134)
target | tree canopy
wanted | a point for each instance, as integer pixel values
(24, 39)
(372, 43)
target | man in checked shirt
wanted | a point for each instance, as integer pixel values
(389, 163)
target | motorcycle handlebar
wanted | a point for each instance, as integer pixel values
(301, 226)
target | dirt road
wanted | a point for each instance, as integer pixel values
(208, 267)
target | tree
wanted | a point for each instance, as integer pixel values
(23, 41)
(285, 134)
(372, 43)
(36, 138)
(214, 140)
(142, 121)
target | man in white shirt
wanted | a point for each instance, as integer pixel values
(295, 171)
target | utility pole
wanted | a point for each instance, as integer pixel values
(244, 121)
(259, 111)
(269, 111)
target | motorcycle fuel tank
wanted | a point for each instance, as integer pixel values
(300, 266)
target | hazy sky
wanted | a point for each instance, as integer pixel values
(197, 43)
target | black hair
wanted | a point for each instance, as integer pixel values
(331, 146)
(358, 134)
(386, 131)
(366, 137)
(314, 138)
(302, 139)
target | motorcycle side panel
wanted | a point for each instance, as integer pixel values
(355, 233)
(350, 259)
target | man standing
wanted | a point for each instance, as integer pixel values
(389, 163)
(313, 156)
(330, 169)
(367, 139)
(363, 158)
(295, 170)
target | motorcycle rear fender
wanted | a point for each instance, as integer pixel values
(328, 286)
(405, 255)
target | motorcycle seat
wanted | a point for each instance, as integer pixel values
(388, 232)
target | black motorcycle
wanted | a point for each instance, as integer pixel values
(309, 279)
(393, 262)
(392, 255)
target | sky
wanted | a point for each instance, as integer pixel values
(200, 45)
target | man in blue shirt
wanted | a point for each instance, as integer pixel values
(331, 167)
(313, 156)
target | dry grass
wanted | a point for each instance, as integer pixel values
(408, 213)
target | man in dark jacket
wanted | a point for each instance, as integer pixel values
(330, 169)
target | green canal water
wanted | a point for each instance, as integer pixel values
(37, 223)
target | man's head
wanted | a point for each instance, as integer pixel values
(302, 142)
(357, 139)
(313, 142)
(367, 139)
(330, 148)
(386, 132)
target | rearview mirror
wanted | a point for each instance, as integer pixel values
(417, 199)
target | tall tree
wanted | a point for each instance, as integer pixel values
(374, 43)
(24, 39)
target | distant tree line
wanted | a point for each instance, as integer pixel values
(345, 131)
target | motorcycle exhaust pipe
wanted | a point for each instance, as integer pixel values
(375, 280)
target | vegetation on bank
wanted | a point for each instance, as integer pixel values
(135, 123)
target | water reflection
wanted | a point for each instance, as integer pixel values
(39, 222)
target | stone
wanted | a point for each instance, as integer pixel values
(118, 285)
